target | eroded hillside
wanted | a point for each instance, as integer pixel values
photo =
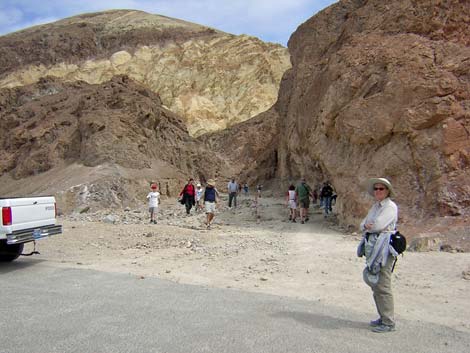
(116, 136)
(210, 78)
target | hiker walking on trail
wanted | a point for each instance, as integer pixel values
(327, 194)
(189, 195)
(303, 192)
(154, 199)
(199, 194)
(232, 189)
(210, 199)
(377, 227)
(245, 189)
(259, 187)
(291, 201)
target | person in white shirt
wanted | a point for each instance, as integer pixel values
(199, 201)
(377, 229)
(291, 202)
(154, 200)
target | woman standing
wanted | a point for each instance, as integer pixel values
(377, 228)
(291, 202)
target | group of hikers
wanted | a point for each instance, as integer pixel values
(206, 199)
(377, 227)
(299, 197)
(200, 198)
(194, 195)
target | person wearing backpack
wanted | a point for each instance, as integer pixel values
(378, 227)
(303, 192)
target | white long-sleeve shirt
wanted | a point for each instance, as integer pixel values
(383, 215)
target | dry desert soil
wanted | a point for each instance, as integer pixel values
(315, 261)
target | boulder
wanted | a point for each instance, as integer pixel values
(425, 244)
(111, 219)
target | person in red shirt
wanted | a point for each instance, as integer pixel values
(188, 195)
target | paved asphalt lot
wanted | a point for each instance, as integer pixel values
(45, 308)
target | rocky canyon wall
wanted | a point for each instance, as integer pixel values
(381, 89)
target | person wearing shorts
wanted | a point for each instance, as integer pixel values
(303, 192)
(210, 200)
(291, 199)
(154, 199)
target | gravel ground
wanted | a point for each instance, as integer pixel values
(314, 261)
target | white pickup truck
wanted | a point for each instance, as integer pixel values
(25, 220)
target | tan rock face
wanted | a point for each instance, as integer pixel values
(380, 89)
(211, 79)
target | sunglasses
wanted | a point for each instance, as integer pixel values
(381, 189)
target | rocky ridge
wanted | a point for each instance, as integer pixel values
(95, 144)
(210, 78)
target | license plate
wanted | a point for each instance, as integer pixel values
(37, 233)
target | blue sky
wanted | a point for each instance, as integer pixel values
(269, 20)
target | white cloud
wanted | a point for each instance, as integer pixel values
(271, 20)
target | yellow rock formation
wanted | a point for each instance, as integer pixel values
(212, 83)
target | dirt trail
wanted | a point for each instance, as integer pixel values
(312, 261)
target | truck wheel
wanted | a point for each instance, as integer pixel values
(10, 252)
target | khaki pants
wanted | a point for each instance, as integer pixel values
(382, 292)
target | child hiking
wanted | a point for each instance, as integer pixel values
(154, 199)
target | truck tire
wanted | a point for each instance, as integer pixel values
(9, 253)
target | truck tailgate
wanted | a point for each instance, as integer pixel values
(31, 212)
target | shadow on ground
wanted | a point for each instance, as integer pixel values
(18, 265)
(320, 321)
